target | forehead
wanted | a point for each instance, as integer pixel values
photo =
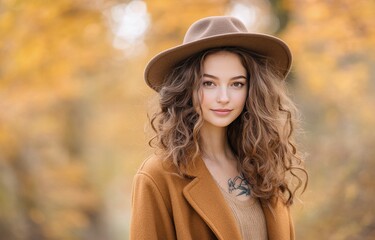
(223, 62)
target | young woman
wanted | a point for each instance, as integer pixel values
(224, 159)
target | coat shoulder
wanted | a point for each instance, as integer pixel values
(158, 169)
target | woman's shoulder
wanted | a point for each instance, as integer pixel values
(156, 167)
(161, 174)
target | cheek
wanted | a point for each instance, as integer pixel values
(241, 98)
(198, 98)
(205, 97)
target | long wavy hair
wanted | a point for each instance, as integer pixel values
(261, 138)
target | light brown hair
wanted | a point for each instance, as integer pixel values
(261, 137)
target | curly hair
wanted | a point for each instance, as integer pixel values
(261, 138)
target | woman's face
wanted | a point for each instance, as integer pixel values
(223, 90)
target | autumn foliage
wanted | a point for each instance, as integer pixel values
(73, 112)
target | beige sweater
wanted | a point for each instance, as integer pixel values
(249, 216)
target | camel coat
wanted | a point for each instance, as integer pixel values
(166, 206)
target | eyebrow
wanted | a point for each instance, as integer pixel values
(233, 78)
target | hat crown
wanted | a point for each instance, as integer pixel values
(213, 26)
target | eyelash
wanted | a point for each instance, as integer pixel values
(207, 83)
(210, 84)
(238, 83)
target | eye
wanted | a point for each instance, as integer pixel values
(238, 84)
(208, 84)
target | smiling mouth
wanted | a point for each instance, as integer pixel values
(221, 111)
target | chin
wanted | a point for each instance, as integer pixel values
(220, 124)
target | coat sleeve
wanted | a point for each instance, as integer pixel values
(151, 219)
(291, 224)
(279, 221)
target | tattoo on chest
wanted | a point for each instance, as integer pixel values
(239, 184)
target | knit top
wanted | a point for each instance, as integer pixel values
(249, 216)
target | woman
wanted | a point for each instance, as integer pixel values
(224, 152)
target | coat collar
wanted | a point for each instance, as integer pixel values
(205, 197)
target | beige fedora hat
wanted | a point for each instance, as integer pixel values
(214, 32)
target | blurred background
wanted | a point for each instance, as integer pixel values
(73, 108)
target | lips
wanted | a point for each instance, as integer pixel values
(222, 111)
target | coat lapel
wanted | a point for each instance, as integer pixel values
(205, 197)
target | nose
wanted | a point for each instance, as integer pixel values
(223, 96)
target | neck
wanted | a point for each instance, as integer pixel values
(215, 144)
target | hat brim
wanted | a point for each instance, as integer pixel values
(265, 45)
